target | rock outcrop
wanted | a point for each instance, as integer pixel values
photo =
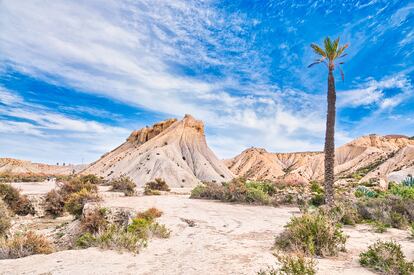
(175, 151)
(368, 158)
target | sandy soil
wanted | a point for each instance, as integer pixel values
(226, 239)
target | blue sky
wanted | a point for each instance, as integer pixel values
(76, 77)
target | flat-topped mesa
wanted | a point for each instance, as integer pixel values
(143, 135)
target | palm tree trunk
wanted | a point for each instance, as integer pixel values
(330, 141)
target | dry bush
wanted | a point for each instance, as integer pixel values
(208, 190)
(22, 245)
(150, 214)
(390, 209)
(157, 184)
(312, 234)
(292, 265)
(75, 185)
(5, 220)
(76, 201)
(130, 238)
(91, 179)
(386, 258)
(95, 221)
(123, 184)
(18, 203)
(54, 203)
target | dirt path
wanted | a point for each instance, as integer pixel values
(226, 239)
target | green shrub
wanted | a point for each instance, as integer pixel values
(132, 238)
(380, 227)
(123, 184)
(257, 196)
(113, 237)
(343, 212)
(312, 234)
(406, 192)
(5, 220)
(22, 245)
(387, 258)
(76, 201)
(292, 265)
(317, 200)
(316, 187)
(266, 187)
(54, 203)
(18, 203)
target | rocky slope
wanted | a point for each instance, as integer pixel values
(16, 166)
(368, 158)
(174, 150)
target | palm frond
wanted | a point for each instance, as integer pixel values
(328, 47)
(345, 54)
(314, 63)
(341, 50)
(342, 73)
(335, 45)
(318, 50)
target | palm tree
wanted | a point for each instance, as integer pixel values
(328, 56)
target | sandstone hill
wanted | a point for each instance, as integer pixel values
(174, 150)
(369, 158)
(16, 166)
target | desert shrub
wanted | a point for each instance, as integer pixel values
(18, 203)
(123, 184)
(412, 230)
(131, 238)
(91, 179)
(406, 192)
(5, 220)
(316, 187)
(113, 237)
(157, 184)
(266, 187)
(387, 258)
(236, 190)
(75, 185)
(292, 265)
(95, 221)
(22, 245)
(256, 196)
(150, 192)
(24, 177)
(343, 212)
(312, 234)
(210, 191)
(76, 201)
(388, 209)
(379, 227)
(150, 214)
(317, 199)
(54, 203)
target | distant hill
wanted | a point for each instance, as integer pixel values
(16, 166)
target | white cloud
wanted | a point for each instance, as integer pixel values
(124, 51)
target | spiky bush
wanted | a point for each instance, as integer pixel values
(75, 185)
(312, 234)
(22, 245)
(408, 181)
(363, 191)
(386, 258)
(123, 184)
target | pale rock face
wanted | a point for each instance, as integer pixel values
(15, 166)
(175, 151)
(390, 157)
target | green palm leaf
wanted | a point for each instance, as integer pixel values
(318, 50)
